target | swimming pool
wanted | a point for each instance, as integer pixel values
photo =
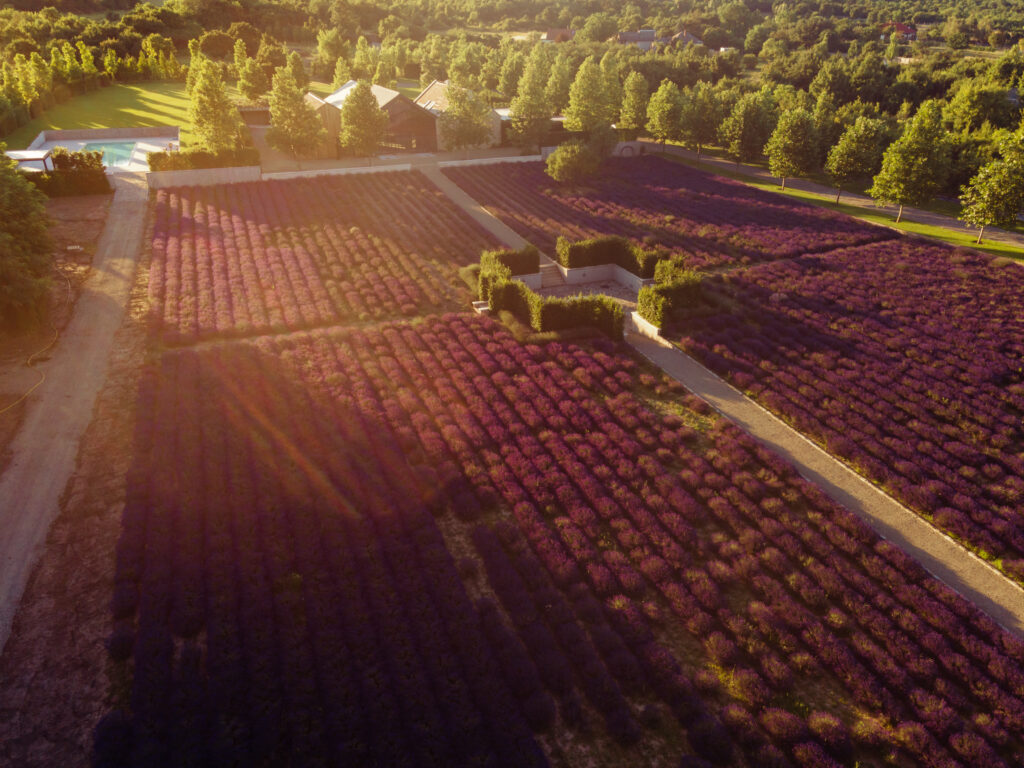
(116, 154)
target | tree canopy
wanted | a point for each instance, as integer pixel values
(363, 122)
(24, 246)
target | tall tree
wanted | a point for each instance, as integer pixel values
(612, 95)
(530, 110)
(24, 246)
(363, 122)
(664, 111)
(342, 73)
(297, 70)
(215, 121)
(995, 196)
(556, 92)
(466, 122)
(858, 153)
(915, 166)
(587, 108)
(511, 71)
(700, 116)
(294, 126)
(633, 115)
(252, 81)
(364, 63)
(792, 149)
(748, 127)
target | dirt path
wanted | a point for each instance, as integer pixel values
(947, 560)
(43, 452)
(992, 234)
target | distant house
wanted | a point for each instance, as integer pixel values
(680, 39)
(434, 98)
(411, 128)
(558, 35)
(644, 39)
(894, 27)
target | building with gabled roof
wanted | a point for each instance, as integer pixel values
(411, 128)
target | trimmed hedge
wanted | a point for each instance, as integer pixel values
(193, 159)
(660, 301)
(74, 173)
(543, 314)
(505, 264)
(607, 250)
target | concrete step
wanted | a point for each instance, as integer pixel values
(550, 276)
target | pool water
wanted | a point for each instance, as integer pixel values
(116, 154)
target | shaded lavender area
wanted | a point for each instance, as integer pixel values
(416, 544)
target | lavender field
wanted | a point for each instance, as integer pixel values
(903, 358)
(435, 545)
(709, 220)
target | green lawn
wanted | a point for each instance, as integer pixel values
(867, 213)
(119, 106)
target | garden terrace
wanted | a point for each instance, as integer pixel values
(904, 359)
(411, 545)
(711, 220)
(244, 259)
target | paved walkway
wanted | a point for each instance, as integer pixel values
(947, 560)
(46, 446)
(992, 234)
(479, 214)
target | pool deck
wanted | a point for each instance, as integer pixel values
(146, 140)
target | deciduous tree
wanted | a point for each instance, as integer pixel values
(294, 126)
(587, 109)
(915, 166)
(466, 121)
(363, 122)
(215, 121)
(633, 115)
(24, 246)
(792, 148)
(664, 111)
(858, 153)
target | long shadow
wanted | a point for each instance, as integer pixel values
(283, 595)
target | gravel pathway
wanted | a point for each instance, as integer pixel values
(44, 450)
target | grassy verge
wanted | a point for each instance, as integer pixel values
(867, 213)
(118, 106)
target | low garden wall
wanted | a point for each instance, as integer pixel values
(339, 171)
(169, 132)
(489, 161)
(601, 272)
(203, 177)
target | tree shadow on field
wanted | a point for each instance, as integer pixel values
(283, 596)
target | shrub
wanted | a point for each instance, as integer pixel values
(572, 161)
(607, 250)
(525, 261)
(25, 256)
(74, 173)
(658, 302)
(193, 159)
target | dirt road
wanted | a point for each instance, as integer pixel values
(44, 450)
